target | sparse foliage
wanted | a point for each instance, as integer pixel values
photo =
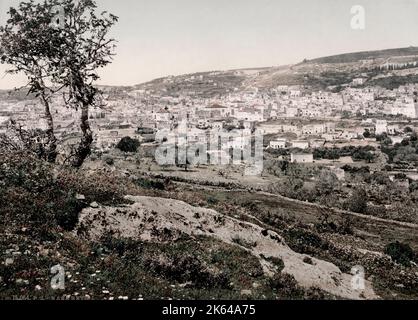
(56, 58)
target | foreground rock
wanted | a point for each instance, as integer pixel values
(158, 219)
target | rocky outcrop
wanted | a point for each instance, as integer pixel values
(158, 219)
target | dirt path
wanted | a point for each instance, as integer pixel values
(349, 213)
(212, 186)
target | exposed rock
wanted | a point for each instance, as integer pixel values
(94, 205)
(80, 197)
(178, 216)
(246, 292)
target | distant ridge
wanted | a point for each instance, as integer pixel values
(363, 55)
(318, 73)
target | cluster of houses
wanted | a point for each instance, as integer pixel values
(301, 119)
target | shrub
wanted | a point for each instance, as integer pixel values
(183, 267)
(212, 200)
(109, 161)
(33, 196)
(67, 215)
(127, 144)
(286, 287)
(308, 260)
(304, 241)
(400, 253)
(101, 187)
(413, 186)
(358, 201)
(150, 184)
(277, 262)
(327, 183)
(244, 243)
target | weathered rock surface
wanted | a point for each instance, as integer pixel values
(161, 219)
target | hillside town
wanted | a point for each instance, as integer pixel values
(294, 181)
(292, 118)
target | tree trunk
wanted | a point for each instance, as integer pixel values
(51, 145)
(84, 148)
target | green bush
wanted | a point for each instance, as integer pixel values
(104, 188)
(109, 161)
(277, 262)
(400, 253)
(150, 184)
(286, 287)
(67, 215)
(36, 196)
(244, 243)
(304, 241)
(127, 144)
(33, 196)
(358, 201)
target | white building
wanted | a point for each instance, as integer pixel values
(292, 112)
(397, 139)
(278, 144)
(381, 126)
(317, 143)
(300, 144)
(407, 107)
(349, 134)
(301, 158)
(217, 125)
(393, 129)
(162, 116)
(314, 129)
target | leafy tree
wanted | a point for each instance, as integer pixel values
(381, 137)
(127, 144)
(327, 183)
(380, 178)
(25, 46)
(62, 43)
(358, 201)
(405, 142)
(361, 154)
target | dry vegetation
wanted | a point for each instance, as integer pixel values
(40, 206)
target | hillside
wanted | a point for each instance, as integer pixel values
(124, 227)
(124, 236)
(317, 74)
(365, 55)
(323, 73)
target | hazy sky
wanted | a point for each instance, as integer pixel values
(171, 37)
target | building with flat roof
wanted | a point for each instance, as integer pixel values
(301, 158)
